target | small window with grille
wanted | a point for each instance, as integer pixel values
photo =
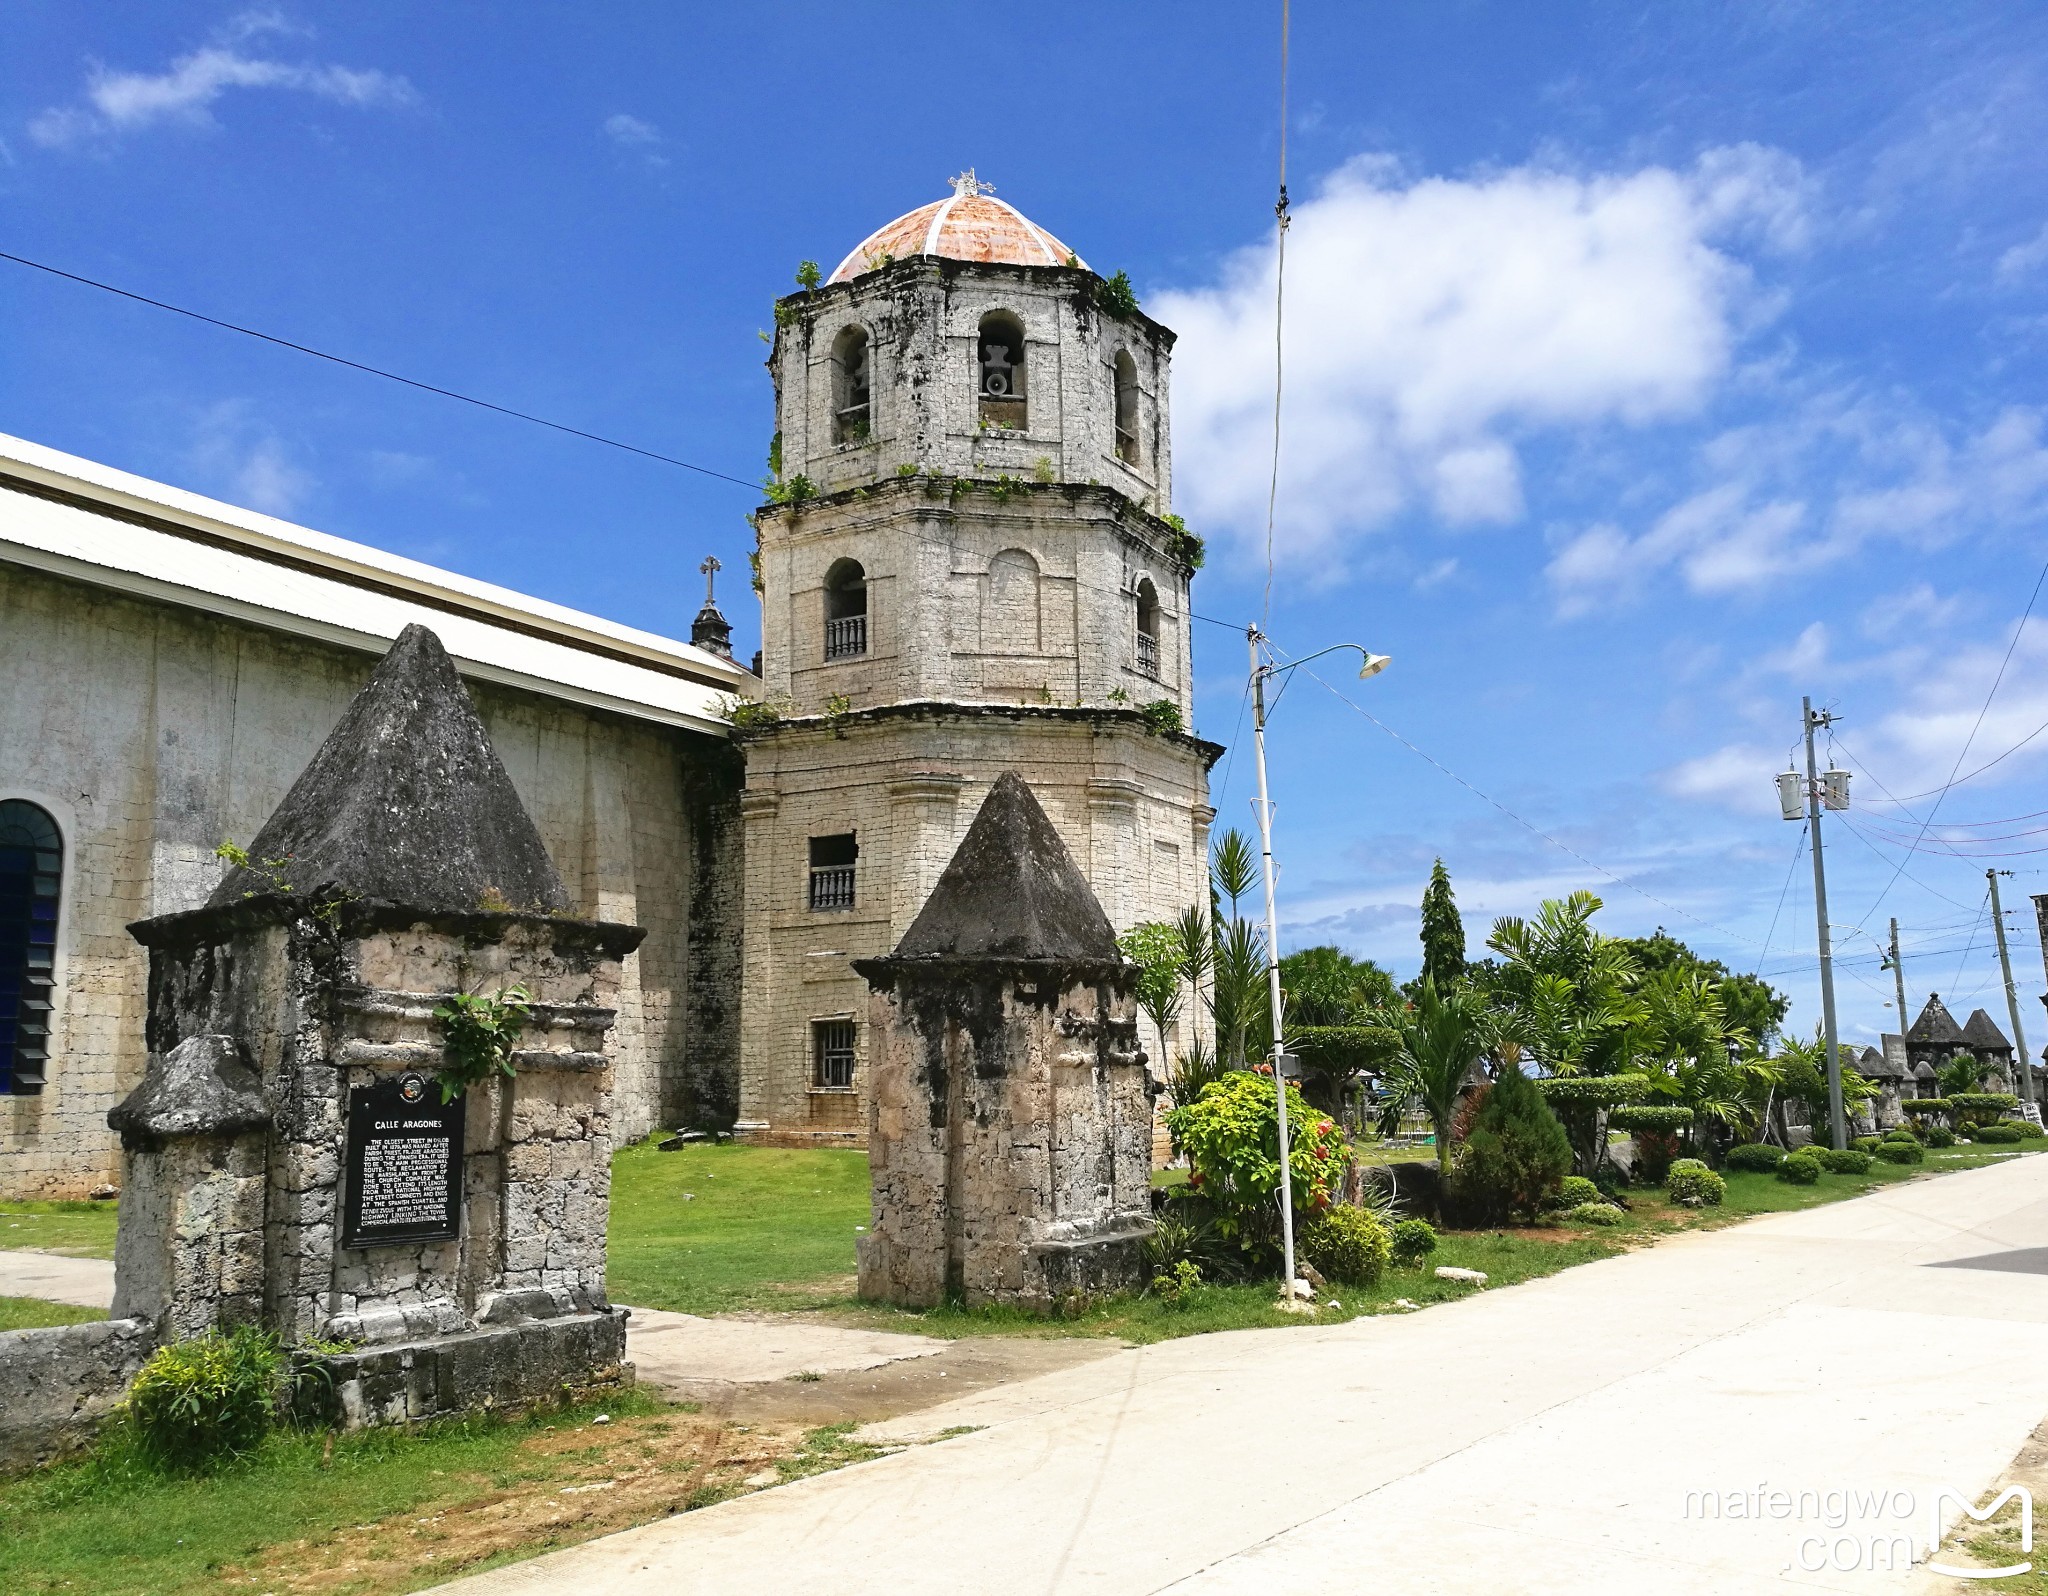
(31, 872)
(832, 1055)
(833, 860)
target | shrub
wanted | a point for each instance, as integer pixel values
(2003, 1132)
(1939, 1136)
(2029, 1130)
(1665, 1117)
(200, 1402)
(1924, 1105)
(1575, 1190)
(1847, 1160)
(1414, 1240)
(1696, 1186)
(1348, 1245)
(1594, 1214)
(1231, 1134)
(1758, 1158)
(1865, 1144)
(1516, 1154)
(1898, 1133)
(1173, 1286)
(1978, 1107)
(1577, 1101)
(1801, 1169)
(1902, 1153)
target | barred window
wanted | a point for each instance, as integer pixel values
(31, 871)
(832, 1055)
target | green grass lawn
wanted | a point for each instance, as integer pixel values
(707, 1229)
(32, 1313)
(83, 1230)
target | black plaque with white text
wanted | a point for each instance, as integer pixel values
(404, 1164)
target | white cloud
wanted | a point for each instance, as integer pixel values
(636, 136)
(2024, 259)
(1740, 776)
(1431, 322)
(1808, 489)
(246, 462)
(119, 102)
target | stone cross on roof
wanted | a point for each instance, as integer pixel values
(966, 185)
(710, 568)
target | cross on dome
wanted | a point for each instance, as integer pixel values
(966, 185)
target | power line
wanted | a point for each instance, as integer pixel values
(378, 371)
(1529, 826)
(1798, 851)
(2017, 633)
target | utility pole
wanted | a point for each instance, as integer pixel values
(1254, 638)
(1809, 720)
(1899, 979)
(2012, 993)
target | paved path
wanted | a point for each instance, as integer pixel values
(1533, 1440)
(82, 1282)
(678, 1353)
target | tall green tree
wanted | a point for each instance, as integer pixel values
(1443, 1036)
(1443, 932)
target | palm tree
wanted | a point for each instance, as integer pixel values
(1442, 1039)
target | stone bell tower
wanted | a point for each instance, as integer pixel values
(969, 566)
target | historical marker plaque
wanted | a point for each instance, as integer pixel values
(404, 1164)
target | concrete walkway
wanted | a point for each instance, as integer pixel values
(680, 1354)
(81, 1282)
(1561, 1436)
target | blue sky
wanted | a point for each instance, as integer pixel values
(1649, 367)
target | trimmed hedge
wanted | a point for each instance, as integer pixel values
(1347, 1245)
(1940, 1136)
(1899, 1133)
(1980, 1106)
(1865, 1144)
(2000, 1134)
(1693, 1184)
(1903, 1153)
(1592, 1091)
(1414, 1240)
(1653, 1117)
(1801, 1169)
(1594, 1214)
(1848, 1160)
(1575, 1190)
(1756, 1158)
(1924, 1105)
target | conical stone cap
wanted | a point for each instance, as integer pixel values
(1012, 891)
(1936, 1027)
(406, 803)
(1981, 1031)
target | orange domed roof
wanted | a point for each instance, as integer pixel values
(970, 224)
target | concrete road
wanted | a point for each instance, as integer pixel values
(81, 1282)
(1703, 1416)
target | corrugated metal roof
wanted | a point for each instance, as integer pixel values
(76, 518)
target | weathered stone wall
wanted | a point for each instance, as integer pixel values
(58, 1384)
(319, 1011)
(1061, 626)
(923, 318)
(1010, 1130)
(152, 733)
(1130, 806)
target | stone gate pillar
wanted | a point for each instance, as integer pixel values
(1009, 1108)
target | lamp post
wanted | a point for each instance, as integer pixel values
(1263, 670)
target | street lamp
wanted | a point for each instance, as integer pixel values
(1262, 669)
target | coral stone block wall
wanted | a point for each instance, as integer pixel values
(1010, 1131)
(319, 1009)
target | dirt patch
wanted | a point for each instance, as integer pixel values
(565, 1486)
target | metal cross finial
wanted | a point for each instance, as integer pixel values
(966, 185)
(710, 568)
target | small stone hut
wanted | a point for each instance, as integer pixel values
(289, 1160)
(1010, 1115)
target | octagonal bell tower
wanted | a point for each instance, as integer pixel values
(970, 565)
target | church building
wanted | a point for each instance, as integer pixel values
(969, 565)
